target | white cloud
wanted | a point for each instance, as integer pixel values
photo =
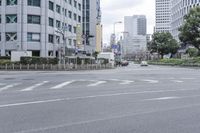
(115, 10)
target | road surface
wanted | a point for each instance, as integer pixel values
(131, 99)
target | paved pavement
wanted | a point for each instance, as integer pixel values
(131, 99)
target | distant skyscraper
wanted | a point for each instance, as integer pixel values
(91, 23)
(163, 9)
(135, 28)
(135, 25)
(179, 9)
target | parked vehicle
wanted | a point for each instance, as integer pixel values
(124, 63)
(144, 63)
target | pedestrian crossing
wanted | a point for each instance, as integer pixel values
(26, 86)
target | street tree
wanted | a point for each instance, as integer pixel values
(163, 43)
(190, 30)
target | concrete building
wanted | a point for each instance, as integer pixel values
(163, 16)
(91, 23)
(135, 34)
(179, 9)
(31, 25)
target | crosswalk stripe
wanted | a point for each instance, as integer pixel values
(177, 81)
(126, 82)
(97, 83)
(35, 86)
(151, 81)
(8, 87)
(62, 85)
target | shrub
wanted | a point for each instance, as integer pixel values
(38, 60)
(5, 57)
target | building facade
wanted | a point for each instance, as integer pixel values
(163, 15)
(135, 25)
(91, 21)
(135, 34)
(179, 9)
(33, 25)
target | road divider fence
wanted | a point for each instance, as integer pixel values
(58, 67)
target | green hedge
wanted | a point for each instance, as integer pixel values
(180, 62)
(5, 58)
(38, 60)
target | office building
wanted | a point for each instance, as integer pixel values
(33, 25)
(91, 24)
(179, 9)
(163, 18)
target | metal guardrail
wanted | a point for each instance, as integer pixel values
(50, 67)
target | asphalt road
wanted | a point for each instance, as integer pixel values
(131, 99)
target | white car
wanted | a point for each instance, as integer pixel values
(144, 63)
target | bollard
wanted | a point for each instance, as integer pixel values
(51, 67)
(6, 67)
(20, 66)
(13, 66)
(28, 67)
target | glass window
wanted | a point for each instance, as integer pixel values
(51, 5)
(51, 22)
(11, 18)
(51, 40)
(33, 19)
(58, 8)
(11, 36)
(58, 24)
(70, 14)
(34, 3)
(11, 2)
(33, 37)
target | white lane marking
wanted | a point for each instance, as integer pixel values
(126, 82)
(62, 85)
(162, 98)
(8, 87)
(43, 129)
(35, 86)
(177, 81)
(151, 81)
(94, 96)
(97, 83)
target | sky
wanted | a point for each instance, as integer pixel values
(115, 10)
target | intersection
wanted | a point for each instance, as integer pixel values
(127, 99)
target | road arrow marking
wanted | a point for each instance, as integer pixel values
(97, 83)
(62, 85)
(8, 87)
(152, 81)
